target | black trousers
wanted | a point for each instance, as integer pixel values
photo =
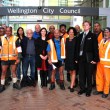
(85, 76)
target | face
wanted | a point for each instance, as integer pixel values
(86, 26)
(43, 32)
(63, 29)
(29, 33)
(97, 27)
(20, 31)
(71, 33)
(2, 32)
(77, 28)
(8, 32)
(106, 34)
(51, 29)
(56, 34)
(37, 28)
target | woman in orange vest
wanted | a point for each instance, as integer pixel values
(103, 67)
(10, 56)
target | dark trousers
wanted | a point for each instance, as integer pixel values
(85, 76)
(29, 60)
(19, 69)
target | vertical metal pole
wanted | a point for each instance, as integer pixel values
(7, 20)
(108, 21)
(104, 3)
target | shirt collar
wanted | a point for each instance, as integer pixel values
(57, 39)
(86, 32)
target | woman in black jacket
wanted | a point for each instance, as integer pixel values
(21, 35)
(41, 61)
(70, 64)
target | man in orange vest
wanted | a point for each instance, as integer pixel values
(103, 67)
(10, 56)
(56, 54)
(99, 35)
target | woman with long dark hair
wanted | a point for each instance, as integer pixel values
(42, 63)
(21, 35)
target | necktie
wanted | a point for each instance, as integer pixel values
(82, 44)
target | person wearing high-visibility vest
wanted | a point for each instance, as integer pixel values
(103, 67)
(99, 34)
(56, 54)
(10, 56)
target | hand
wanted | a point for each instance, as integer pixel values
(45, 57)
(50, 62)
(17, 61)
(93, 62)
(42, 57)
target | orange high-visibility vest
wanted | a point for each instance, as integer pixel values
(104, 53)
(65, 36)
(53, 50)
(100, 37)
(8, 48)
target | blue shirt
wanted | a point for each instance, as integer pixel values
(30, 47)
(36, 35)
(58, 48)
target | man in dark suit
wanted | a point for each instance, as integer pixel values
(87, 56)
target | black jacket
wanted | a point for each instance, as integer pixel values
(24, 45)
(40, 47)
(90, 48)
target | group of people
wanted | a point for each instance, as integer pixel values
(86, 54)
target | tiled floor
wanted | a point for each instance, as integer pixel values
(43, 99)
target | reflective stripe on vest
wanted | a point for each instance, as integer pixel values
(53, 51)
(105, 58)
(63, 48)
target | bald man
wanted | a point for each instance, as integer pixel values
(29, 52)
(56, 54)
(36, 32)
(77, 27)
(51, 32)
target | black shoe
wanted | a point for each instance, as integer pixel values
(17, 85)
(88, 94)
(71, 89)
(97, 92)
(2, 88)
(104, 95)
(81, 92)
(52, 86)
(62, 87)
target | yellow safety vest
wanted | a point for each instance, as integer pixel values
(8, 48)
